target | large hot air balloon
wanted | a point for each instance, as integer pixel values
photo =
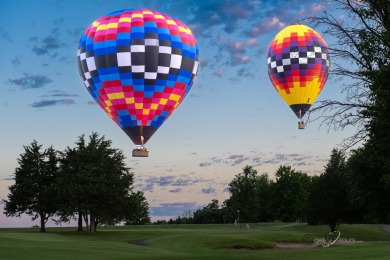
(138, 65)
(298, 66)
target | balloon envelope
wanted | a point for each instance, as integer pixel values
(298, 66)
(138, 65)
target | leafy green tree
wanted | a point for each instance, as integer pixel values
(211, 214)
(264, 194)
(290, 194)
(367, 190)
(136, 209)
(244, 197)
(160, 222)
(251, 195)
(34, 191)
(328, 201)
(96, 182)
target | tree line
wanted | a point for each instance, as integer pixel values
(334, 196)
(89, 182)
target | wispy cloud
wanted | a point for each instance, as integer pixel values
(172, 181)
(219, 72)
(294, 159)
(57, 93)
(209, 190)
(237, 50)
(239, 59)
(264, 26)
(172, 209)
(176, 190)
(48, 103)
(204, 62)
(232, 160)
(205, 164)
(237, 159)
(8, 179)
(243, 72)
(239, 16)
(225, 14)
(47, 45)
(16, 61)
(4, 34)
(50, 44)
(31, 81)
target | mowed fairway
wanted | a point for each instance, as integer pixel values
(259, 241)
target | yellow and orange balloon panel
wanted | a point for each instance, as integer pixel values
(298, 66)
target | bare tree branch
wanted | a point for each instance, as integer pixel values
(359, 51)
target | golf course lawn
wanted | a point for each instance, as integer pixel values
(252, 241)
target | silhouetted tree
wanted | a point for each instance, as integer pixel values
(264, 194)
(290, 193)
(211, 214)
(328, 201)
(244, 195)
(368, 190)
(136, 209)
(34, 192)
(96, 182)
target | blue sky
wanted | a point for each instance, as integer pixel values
(232, 116)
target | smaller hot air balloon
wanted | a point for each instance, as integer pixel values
(298, 66)
(138, 65)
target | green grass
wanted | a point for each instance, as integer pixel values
(193, 242)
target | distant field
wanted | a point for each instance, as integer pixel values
(257, 241)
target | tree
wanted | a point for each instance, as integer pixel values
(244, 196)
(264, 194)
(328, 201)
(187, 216)
(97, 184)
(361, 54)
(69, 184)
(368, 192)
(365, 43)
(211, 214)
(136, 209)
(289, 194)
(33, 192)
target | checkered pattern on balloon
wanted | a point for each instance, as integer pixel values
(298, 66)
(138, 65)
